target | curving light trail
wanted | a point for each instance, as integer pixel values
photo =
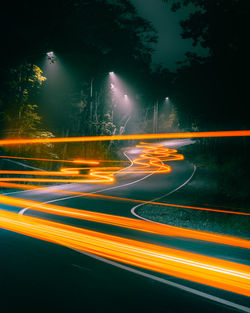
(150, 160)
(210, 271)
(213, 272)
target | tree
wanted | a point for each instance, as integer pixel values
(92, 37)
(89, 30)
(19, 114)
(213, 89)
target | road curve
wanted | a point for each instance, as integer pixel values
(164, 288)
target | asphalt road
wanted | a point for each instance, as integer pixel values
(40, 276)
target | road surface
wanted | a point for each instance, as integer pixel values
(40, 275)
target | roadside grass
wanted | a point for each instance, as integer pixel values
(221, 182)
(228, 224)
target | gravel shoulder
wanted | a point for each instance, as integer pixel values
(201, 191)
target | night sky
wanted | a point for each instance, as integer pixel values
(170, 47)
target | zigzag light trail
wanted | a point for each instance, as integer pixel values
(152, 157)
(150, 160)
(210, 271)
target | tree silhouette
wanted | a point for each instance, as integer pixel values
(214, 89)
(96, 30)
(92, 37)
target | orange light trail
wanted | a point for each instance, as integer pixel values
(32, 187)
(41, 173)
(100, 177)
(210, 271)
(151, 160)
(51, 160)
(140, 225)
(194, 267)
(85, 162)
(235, 133)
(75, 170)
(103, 180)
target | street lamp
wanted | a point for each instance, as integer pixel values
(91, 98)
(121, 102)
(51, 56)
(92, 109)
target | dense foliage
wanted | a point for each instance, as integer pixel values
(212, 91)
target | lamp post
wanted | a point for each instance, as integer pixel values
(155, 122)
(91, 98)
(93, 103)
(51, 56)
(112, 88)
(156, 115)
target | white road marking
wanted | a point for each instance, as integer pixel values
(170, 283)
(141, 273)
(158, 198)
(110, 188)
(24, 165)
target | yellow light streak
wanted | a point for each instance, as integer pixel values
(201, 269)
(86, 162)
(235, 133)
(140, 225)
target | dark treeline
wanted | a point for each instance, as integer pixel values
(212, 92)
(92, 38)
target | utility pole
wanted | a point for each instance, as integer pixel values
(91, 98)
(155, 121)
(91, 105)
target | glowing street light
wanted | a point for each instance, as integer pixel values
(51, 56)
(167, 98)
(120, 101)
